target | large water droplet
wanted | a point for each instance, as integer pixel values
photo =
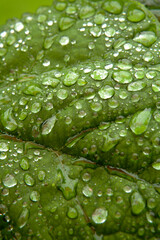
(106, 92)
(96, 31)
(48, 42)
(100, 215)
(136, 86)
(110, 32)
(24, 164)
(50, 81)
(32, 90)
(36, 107)
(147, 38)
(137, 203)
(48, 125)
(9, 181)
(122, 77)
(64, 40)
(62, 94)
(110, 142)
(99, 74)
(8, 121)
(19, 26)
(28, 179)
(140, 121)
(4, 147)
(65, 23)
(70, 78)
(86, 12)
(113, 6)
(135, 15)
(156, 86)
(23, 218)
(156, 165)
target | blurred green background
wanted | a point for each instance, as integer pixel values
(15, 8)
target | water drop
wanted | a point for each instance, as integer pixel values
(136, 86)
(72, 213)
(62, 94)
(86, 12)
(48, 125)
(23, 218)
(19, 26)
(147, 38)
(8, 121)
(137, 203)
(135, 15)
(35, 196)
(122, 77)
(70, 78)
(65, 23)
(95, 106)
(156, 86)
(32, 90)
(110, 32)
(148, 56)
(113, 6)
(24, 164)
(86, 177)
(36, 107)
(99, 19)
(28, 179)
(99, 215)
(87, 191)
(50, 81)
(140, 121)
(9, 181)
(48, 42)
(106, 92)
(95, 31)
(99, 74)
(64, 40)
(41, 175)
(156, 165)
(4, 147)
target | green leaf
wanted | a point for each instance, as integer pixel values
(79, 123)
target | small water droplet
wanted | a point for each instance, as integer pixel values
(9, 181)
(36, 107)
(95, 31)
(148, 56)
(110, 32)
(99, 216)
(86, 177)
(4, 147)
(139, 74)
(41, 175)
(156, 165)
(95, 106)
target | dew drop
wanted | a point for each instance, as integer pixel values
(148, 56)
(9, 181)
(32, 90)
(95, 31)
(70, 78)
(86, 177)
(135, 15)
(28, 179)
(4, 147)
(41, 175)
(137, 203)
(99, 215)
(156, 86)
(110, 32)
(36, 107)
(122, 77)
(156, 165)
(8, 121)
(106, 92)
(99, 74)
(72, 213)
(113, 6)
(65, 23)
(95, 106)
(86, 12)
(99, 19)
(136, 86)
(19, 26)
(48, 125)
(35, 196)
(23, 218)
(24, 164)
(64, 41)
(49, 81)
(87, 191)
(62, 94)
(140, 121)
(147, 38)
